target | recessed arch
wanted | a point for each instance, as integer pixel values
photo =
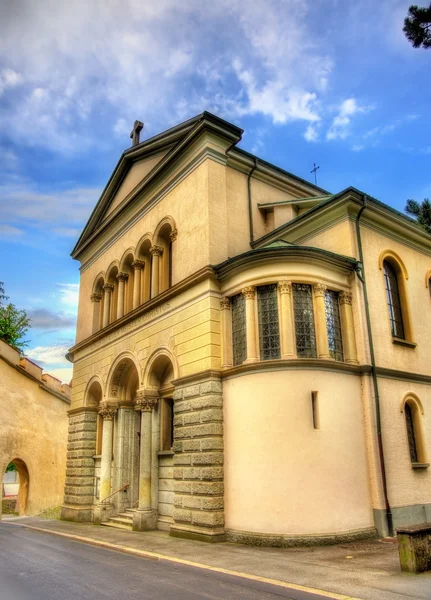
(145, 241)
(24, 485)
(128, 255)
(161, 369)
(163, 237)
(98, 282)
(413, 416)
(112, 272)
(93, 392)
(143, 254)
(393, 258)
(126, 267)
(414, 398)
(124, 377)
(166, 224)
(428, 280)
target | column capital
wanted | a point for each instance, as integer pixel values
(225, 303)
(319, 289)
(138, 265)
(173, 235)
(123, 276)
(249, 292)
(285, 287)
(145, 401)
(108, 287)
(345, 297)
(96, 297)
(156, 250)
(107, 411)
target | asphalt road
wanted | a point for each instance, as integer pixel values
(39, 566)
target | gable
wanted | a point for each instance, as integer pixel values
(134, 176)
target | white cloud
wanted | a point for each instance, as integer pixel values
(9, 79)
(9, 231)
(340, 127)
(311, 133)
(69, 295)
(64, 374)
(48, 355)
(81, 68)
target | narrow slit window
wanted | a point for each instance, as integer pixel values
(315, 409)
(304, 320)
(239, 335)
(411, 433)
(269, 332)
(394, 300)
(333, 325)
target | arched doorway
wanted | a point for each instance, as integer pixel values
(122, 386)
(15, 488)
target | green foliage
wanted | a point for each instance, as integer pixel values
(421, 211)
(10, 467)
(14, 323)
(417, 26)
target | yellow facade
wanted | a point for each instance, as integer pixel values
(33, 430)
(225, 378)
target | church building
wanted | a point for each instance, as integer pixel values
(252, 360)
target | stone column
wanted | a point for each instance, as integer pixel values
(122, 278)
(347, 328)
(107, 291)
(137, 265)
(250, 322)
(107, 412)
(144, 518)
(319, 290)
(287, 338)
(226, 332)
(95, 299)
(156, 252)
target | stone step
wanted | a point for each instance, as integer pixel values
(117, 525)
(120, 520)
(125, 515)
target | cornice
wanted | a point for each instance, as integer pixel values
(151, 305)
(291, 364)
(263, 255)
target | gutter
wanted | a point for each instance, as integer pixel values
(360, 271)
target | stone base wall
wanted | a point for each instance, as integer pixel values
(198, 461)
(251, 538)
(79, 488)
(166, 493)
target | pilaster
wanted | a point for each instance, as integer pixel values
(226, 330)
(287, 338)
(198, 461)
(348, 328)
(249, 293)
(319, 290)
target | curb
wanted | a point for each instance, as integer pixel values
(156, 556)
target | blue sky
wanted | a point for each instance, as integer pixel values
(327, 81)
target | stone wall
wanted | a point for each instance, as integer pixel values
(198, 461)
(81, 447)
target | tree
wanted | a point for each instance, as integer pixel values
(422, 212)
(14, 323)
(417, 26)
(10, 467)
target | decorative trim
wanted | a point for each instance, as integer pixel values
(294, 363)
(173, 235)
(401, 375)
(285, 287)
(249, 292)
(395, 257)
(156, 250)
(164, 297)
(414, 398)
(138, 265)
(319, 290)
(107, 411)
(274, 540)
(96, 297)
(123, 276)
(225, 303)
(108, 287)
(144, 402)
(201, 376)
(401, 342)
(345, 297)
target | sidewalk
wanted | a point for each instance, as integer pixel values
(366, 570)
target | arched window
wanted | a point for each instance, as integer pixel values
(415, 437)
(143, 264)
(164, 236)
(97, 299)
(394, 300)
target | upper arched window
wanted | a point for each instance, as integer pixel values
(394, 300)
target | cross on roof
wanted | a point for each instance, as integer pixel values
(314, 170)
(138, 126)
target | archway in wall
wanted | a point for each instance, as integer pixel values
(122, 386)
(15, 487)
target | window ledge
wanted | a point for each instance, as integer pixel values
(165, 453)
(401, 342)
(97, 456)
(417, 465)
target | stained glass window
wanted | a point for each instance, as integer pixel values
(411, 433)
(394, 302)
(239, 339)
(333, 325)
(304, 320)
(269, 333)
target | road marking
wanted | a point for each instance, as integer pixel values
(189, 563)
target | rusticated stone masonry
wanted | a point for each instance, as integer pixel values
(198, 461)
(79, 488)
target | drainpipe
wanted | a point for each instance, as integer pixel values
(250, 210)
(361, 276)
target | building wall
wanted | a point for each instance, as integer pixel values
(282, 476)
(33, 428)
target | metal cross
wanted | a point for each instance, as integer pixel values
(314, 170)
(138, 126)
